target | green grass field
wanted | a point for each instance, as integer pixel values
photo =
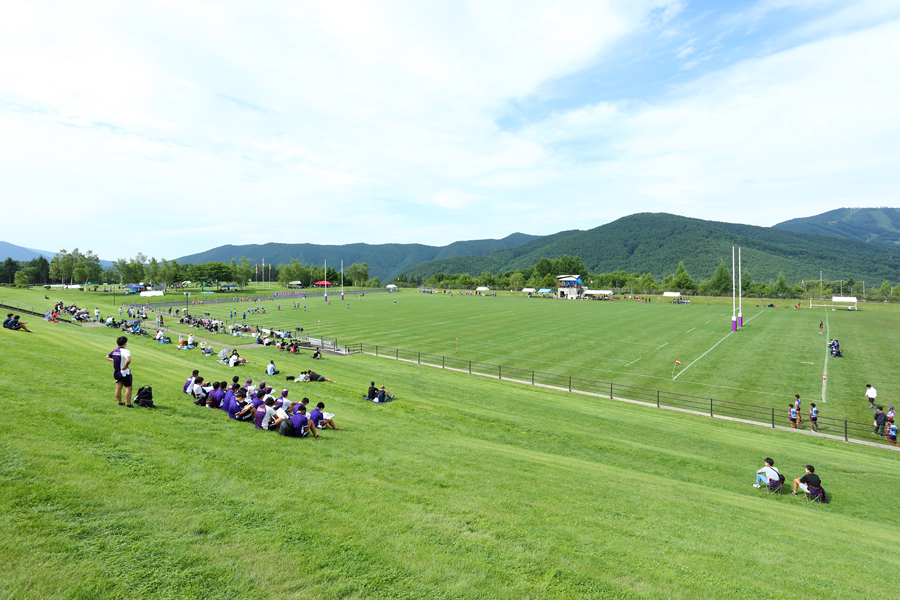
(464, 487)
(778, 353)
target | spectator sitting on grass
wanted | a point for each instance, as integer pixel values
(270, 368)
(16, 324)
(384, 396)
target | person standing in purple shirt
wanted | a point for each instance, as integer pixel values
(121, 359)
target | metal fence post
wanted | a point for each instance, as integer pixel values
(376, 350)
(570, 383)
(846, 439)
(773, 418)
(470, 367)
(657, 398)
(442, 362)
(398, 354)
(610, 391)
(710, 407)
(499, 371)
(532, 378)
(419, 360)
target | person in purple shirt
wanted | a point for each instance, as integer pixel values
(265, 416)
(300, 425)
(321, 419)
(121, 360)
(283, 402)
(229, 396)
(304, 403)
(240, 409)
(189, 384)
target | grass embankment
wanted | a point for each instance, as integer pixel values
(463, 488)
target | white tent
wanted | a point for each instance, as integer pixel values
(598, 292)
(482, 288)
(390, 286)
(671, 294)
(529, 290)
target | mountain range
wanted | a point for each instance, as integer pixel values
(859, 243)
(879, 226)
(656, 242)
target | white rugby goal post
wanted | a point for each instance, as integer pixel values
(848, 302)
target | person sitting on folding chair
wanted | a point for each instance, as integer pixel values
(768, 476)
(809, 484)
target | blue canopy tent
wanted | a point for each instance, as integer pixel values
(545, 291)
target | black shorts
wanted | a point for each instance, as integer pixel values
(793, 420)
(814, 419)
(125, 380)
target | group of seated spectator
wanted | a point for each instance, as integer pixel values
(211, 325)
(308, 376)
(257, 404)
(12, 322)
(379, 395)
(230, 357)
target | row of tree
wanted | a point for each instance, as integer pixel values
(84, 267)
(543, 275)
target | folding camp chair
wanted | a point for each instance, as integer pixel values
(773, 486)
(815, 494)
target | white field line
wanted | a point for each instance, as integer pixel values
(707, 323)
(690, 330)
(666, 344)
(634, 361)
(701, 356)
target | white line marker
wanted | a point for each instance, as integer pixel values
(701, 356)
(634, 361)
(690, 330)
(707, 322)
(663, 345)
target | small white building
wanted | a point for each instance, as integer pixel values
(569, 287)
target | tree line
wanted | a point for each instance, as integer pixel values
(543, 274)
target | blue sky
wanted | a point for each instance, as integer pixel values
(175, 127)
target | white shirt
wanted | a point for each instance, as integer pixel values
(871, 393)
(270, 370)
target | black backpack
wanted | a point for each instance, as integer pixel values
(144, 397)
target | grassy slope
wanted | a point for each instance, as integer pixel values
(464, 488)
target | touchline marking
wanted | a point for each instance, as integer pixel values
(691, 329)
(634, 361)
(663, 345)
(701, 356)
(707, 322)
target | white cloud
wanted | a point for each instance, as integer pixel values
(320, 121)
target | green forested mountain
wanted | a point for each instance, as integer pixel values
(879, 226)
(384, 260)
(655, 243)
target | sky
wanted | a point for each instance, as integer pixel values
(168, 128)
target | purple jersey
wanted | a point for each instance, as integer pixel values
(301, 424)
(188, 385)
(118, 361)
(264, 414)
(316, 416)
(233, 409)
(226, 400)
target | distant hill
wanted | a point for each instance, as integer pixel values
(384, 260)
(656, 242)
(879, 226)
(21, 253)
(14, 252)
